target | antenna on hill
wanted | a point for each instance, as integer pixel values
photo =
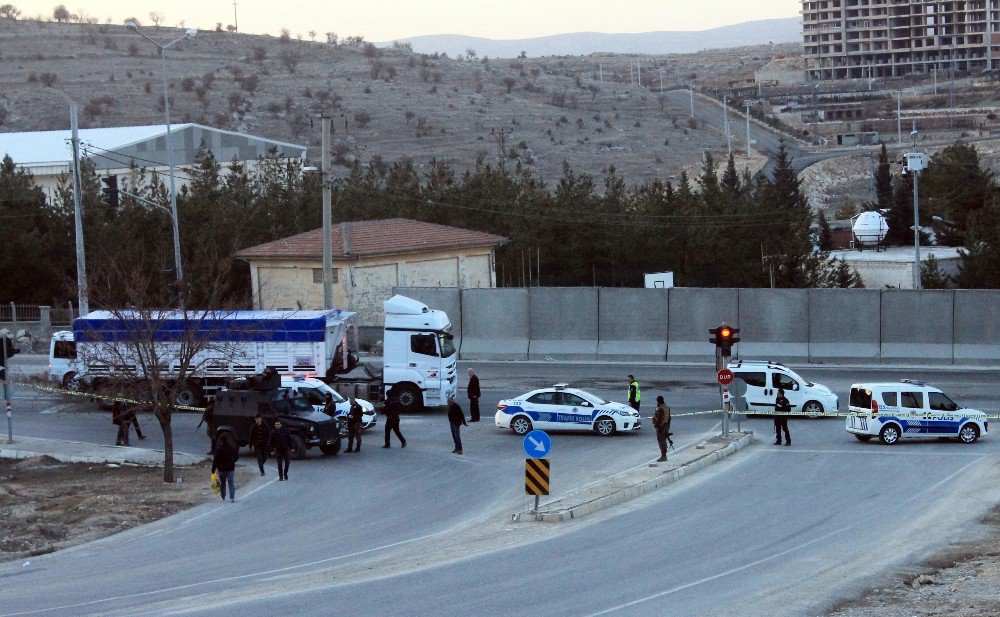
(236, 21)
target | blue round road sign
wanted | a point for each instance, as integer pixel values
(537, 444)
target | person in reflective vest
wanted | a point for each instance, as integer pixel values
(634, 394)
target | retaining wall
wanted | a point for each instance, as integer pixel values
(693, 312)
(562, 323)
(494, 324)
(633, 324)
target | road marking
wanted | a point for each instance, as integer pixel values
(894, 452)
(764, 560)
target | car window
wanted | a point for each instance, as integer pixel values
(572, 400)
(780, 380)
(912, 400)
(543, 398)
(861, 397)
(758, 380)
(890, 399)
(313, 395)
(64, 349)
(424, 344)
(940, 402)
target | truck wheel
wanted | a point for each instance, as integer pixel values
(332, 449)
(189, 395)
(300, 447)
(409, 399)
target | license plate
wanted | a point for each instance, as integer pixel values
(859, 423)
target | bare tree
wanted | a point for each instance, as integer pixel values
(331, 38)
(312, 35)
(508, 82)
(290, 59)
(9, 11)
(156, 18)
(60, 14)
(362, 118)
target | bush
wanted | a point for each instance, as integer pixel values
(250, 83)
(187, 84)
(362, 118)
(133, 49)
(47, 79)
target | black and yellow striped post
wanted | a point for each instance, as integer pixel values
(536, 477)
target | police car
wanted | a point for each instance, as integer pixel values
(563, 408)
(892, 411)
(315, 391)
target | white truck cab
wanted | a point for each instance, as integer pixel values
(419, 358)
(764, 379)
(62, 358)
(895, 410)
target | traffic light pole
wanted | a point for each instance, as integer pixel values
(720, 363)
(6, 392)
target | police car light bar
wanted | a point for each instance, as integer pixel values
(560, 386)
(915, 382)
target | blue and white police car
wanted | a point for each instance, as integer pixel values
(908, 409)
(563, 408)
(315, 392)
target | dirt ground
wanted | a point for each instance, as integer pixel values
(960, 581)
(46, 505)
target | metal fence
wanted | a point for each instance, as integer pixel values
(14, 313)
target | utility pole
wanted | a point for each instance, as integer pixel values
(600, 72)
(236, 21)
(638, 71)
(899, 118)
(747, 103)
(725, 116)
(661, 80)
(915, 163)
(691, 93)
(327, 216)
(6, 391)
(935, 80)
(81, 260)
(631, 74)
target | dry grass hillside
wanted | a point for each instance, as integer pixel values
(393, 102)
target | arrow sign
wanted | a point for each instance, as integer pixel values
(537, 444)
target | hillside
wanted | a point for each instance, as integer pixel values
(394, 102)
(762, 32)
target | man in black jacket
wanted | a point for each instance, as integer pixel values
(354, 419)
(281, 442)
(224, 461)
(260, 439)
(457, 420)
(474, 394)
(391, 412)
(783, 407)
(119, 418)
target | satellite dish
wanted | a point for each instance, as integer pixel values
(870, 229)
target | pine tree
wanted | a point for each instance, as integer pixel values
(883, 180)
(731, 179)
(931, 276)
(825, 236)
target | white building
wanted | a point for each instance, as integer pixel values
(48, 155)
(893, 267)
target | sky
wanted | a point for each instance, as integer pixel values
(386, 20)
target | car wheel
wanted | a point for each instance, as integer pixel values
(332, 449)
(300, 446)
(520, 425)
(969, 433)
(889, 434)
(863, 438)
(605, 426)
(812, 407)
(189, 395)
(409, 399)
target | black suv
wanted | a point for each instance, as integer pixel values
(234, 411)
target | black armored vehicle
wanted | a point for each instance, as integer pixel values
(235, 407)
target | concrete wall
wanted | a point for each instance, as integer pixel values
(562, 323)
(918, 326)
(844, 325)
(494, 324)
(774, 323)
(633, 324)
(977, 321)
(693, 311)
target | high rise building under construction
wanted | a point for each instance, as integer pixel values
(853, 39)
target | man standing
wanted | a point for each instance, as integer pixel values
(782, 407)
(634, 394)
(281, 441)
(457, 420)
(474, 394)
(391, 412)
(224, 461)
(354, 426)
(260, 437)
(661, 422)
(118, 419)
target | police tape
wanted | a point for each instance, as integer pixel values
(833, 414)
(103, 397)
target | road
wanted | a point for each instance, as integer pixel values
(777, 531)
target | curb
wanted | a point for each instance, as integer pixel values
(637, 490)
(17, 454)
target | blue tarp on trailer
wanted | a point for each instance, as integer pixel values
(228, 326)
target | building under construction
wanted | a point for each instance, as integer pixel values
(850, 39)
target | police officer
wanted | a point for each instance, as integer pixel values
(783, 407)
(634, 393)
(391, 412)
(354, 426)
(661, 422)
(260, 439)
(281, 441)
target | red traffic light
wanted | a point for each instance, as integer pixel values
(725, 332)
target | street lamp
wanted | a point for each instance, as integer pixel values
(190, 32)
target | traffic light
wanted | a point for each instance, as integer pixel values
(109, 194)
(724, 337)
(6, 352)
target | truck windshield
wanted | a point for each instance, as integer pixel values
(447, 343)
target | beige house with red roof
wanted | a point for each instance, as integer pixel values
(370, 258)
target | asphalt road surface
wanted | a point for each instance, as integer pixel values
(774, 530)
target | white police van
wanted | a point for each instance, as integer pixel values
(315, 392)
(563, 408)
(892, 411)
(764, 379)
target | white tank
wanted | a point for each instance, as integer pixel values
(870, 228)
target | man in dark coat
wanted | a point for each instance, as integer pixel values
(330, 407)
(457, 420)
(391, 412)
(260, 440)
(120, 419)
(224, 461)
(282, 444)
(783, 407)
(661, 422)
(474, 394)
(354, 419)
